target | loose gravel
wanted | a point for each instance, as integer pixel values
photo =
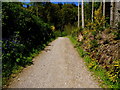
(58, 66)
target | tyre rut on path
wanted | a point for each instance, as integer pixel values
(58, 66)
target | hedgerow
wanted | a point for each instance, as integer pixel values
(24, 34)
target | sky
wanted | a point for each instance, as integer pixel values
(52, 1)
(65, 2)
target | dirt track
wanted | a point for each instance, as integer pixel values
(58, 66)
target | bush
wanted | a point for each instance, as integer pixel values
(117, 34)
(93, 43)
(57, 33)
(118, 25)
(23, 33)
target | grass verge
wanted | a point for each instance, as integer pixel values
(97, 70)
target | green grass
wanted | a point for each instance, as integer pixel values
(98, 71)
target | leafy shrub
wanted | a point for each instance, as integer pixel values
(93, 43)
(57, 33)
(23, 33)
(94, 33)
(117, 34)
(118, 25)
(99, 21)
(87, 59)
(71, 30)
(64, 33)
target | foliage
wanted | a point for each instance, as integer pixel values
(107, 78)
(99, 21)
(94, 43)
(96, 46)
(58, 15)
(69, 13)
(118, 25)
(24, 33)
(53, 28)
(71, 29)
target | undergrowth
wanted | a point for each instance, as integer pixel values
(98, 71)
(18, 68)
(24, 35)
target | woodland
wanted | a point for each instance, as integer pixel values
(28, 30)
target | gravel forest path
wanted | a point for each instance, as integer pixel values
(58, 66)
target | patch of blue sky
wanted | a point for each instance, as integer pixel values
(24, 5)
(26, 1)
(76, 3)
(53, 1)
(65, 0)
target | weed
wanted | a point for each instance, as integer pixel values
(107, 79)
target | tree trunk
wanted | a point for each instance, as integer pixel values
(82, 13)
(104, 10)
(92, 10)
(103, 7)
(78, 15)
(112, 13)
